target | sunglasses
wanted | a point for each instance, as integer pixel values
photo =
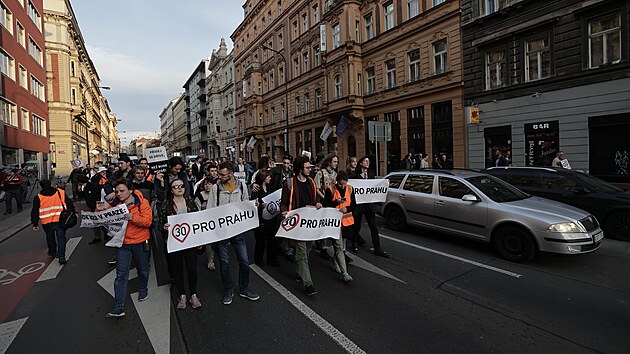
(179, 186)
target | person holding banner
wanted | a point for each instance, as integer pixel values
(135, 244)
(228, 190)
(341, 196)
(301, 191)
(175, 171)
(326, 176)
(267, 229)
(363, 172)
(176, 203)
(91, 192)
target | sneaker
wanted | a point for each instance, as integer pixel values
(227, 298)
(116, 312)
(112, 261)
(249, 294)
(211, 266)
(310, 290)
(62, 260)
(346, 277)
(181, 302)
(51, 254)
(354, 249)
(381, 253)
(143, 295)
(194, 301)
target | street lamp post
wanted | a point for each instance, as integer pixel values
(85, 119)
(286, 97)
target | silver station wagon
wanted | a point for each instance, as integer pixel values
(485, 208)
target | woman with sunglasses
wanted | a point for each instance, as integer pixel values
(177, 203)
(135, 244)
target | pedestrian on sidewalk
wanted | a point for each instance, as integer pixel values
(227, 191)
(175, 204)
(12, 185)
(341, 196)
(47, 208)
(135, 244)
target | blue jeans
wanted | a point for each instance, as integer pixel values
(124, 255)
(55, 238)
(240, 247)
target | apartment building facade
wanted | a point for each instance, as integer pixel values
(167, 128)
(549, 76)
(300, 65)
(181, 127)
(195, 97)
(23, 93)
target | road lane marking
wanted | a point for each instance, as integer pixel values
(54, 267)
(360, 263)
(8, 332)
(319, 321)
(461, 259)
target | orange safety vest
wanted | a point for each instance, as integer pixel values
(346, 219)
(292, 187)
(148, 176)
(50, 207)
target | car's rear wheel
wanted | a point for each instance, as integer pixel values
(617, 226)
(515, 244)
(395, 218)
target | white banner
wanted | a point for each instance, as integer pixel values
(210, 225)
(565, 164)
(272, 207)
(369, 190)
(102, 218)
(76, 163)
(326, 132)
(310, 224)
(117, 233)
(241, 176)
(157, 159)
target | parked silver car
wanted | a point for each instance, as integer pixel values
(485, 208)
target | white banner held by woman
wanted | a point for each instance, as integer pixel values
(370, 190)
(272, 207)
(310, 224)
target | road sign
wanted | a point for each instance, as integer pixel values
(379, 131)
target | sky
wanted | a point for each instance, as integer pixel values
(145, 50)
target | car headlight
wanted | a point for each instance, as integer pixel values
(565, 227)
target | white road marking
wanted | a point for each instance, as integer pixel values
(54, 267)
(107, 282)
(8, 332)
(319, 321)
(461, 259)
(360, 263)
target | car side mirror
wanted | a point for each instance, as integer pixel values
(470, 198)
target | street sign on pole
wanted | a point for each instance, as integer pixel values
(379, 131)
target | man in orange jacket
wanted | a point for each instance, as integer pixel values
(47, 208)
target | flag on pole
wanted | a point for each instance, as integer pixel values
(342, 126)
(326, 132)
(252, 142)
(245, 144)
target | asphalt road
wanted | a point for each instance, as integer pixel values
(435, 294)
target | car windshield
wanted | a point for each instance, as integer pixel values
(496, 189)
(597, 184)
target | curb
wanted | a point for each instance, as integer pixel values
(16, 228)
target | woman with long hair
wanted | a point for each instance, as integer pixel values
(267, 229)
(177, 203)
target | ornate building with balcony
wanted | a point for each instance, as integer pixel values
(300, 65)
(81, 123)
(195, 95)
(220, 89)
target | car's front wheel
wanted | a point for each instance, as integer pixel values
(515, 244)
(395, 218)
(617, 226)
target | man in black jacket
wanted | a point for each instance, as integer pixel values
(91, 192)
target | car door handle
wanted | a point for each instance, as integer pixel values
(439, 202)
(403, 196)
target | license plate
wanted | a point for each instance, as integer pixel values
(598, 237)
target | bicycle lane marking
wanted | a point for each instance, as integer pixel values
(18, 274)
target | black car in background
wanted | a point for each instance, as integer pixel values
(609, 204)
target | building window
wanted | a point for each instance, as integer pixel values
(39, 126)
(304, 22)
(9, 112)
(273, 115)
(390, 69)
(295, 30)
(273, 82)
(369, 27)
(7, 65)
(34, 15)
(389, 16)
(280, 40)
(318, 99)
(336, 36)
(414, 65)
(296, 67)
(356, 31)
(283, 111)
(269, 15)
(37, 88)
(26, 122)
(495, 69)
(316, 51)
(281, 73)
(537, 59)
(315, 14)
(604, 40)
(307, 103)
(279, 7)
(297, 105)
(21, 38)
(437, 2)
(359, 88)
(305, 60)
(412, 8)
(338, 88)
(35, 51)
(440, 56)
(6, 17)
(371, 81)
(72, 69)
(23, 77)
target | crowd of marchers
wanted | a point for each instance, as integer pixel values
(151, 197)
